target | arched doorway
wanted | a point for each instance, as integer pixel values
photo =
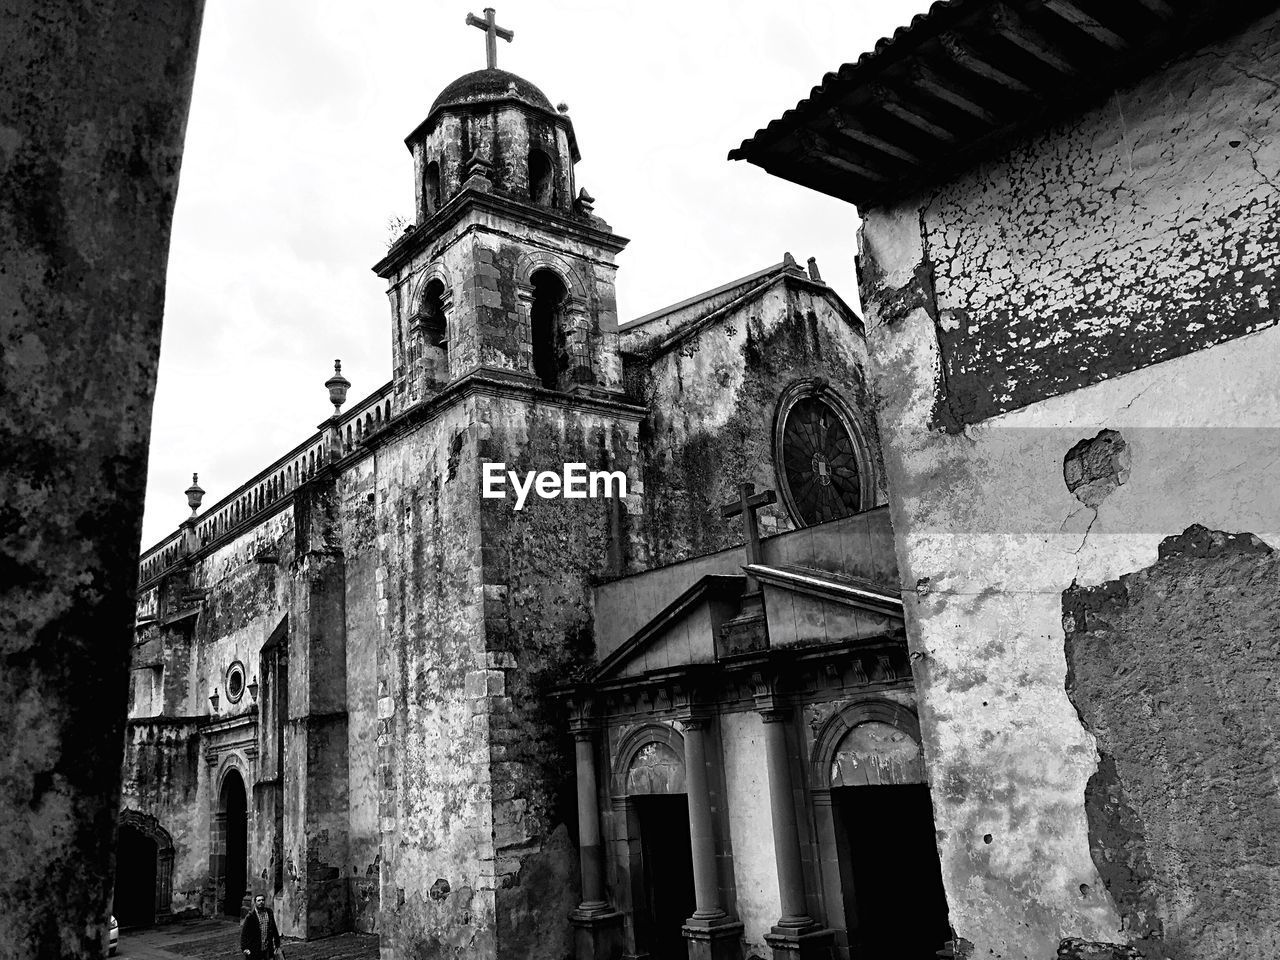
(894, 902)
(231, 844)
(144, 870)
(134, 903)
(652, 776)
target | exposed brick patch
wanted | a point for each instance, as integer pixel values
(1172, 668)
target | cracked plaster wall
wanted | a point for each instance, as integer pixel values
(1051, 350)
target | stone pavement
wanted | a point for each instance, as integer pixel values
(219, 939)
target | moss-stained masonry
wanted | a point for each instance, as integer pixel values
(1073, 350)
(712, 397)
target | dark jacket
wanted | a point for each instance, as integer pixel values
(251, 937)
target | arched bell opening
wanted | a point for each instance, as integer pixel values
(546, 328)
(541, 179)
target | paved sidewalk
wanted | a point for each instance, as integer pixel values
(220, 940)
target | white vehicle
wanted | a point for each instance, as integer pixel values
(113, 937)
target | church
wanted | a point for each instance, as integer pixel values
(675, 718)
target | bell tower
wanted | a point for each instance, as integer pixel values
(505, 350)
(506, 270)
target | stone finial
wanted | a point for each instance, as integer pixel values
(562, 107)
(195, 494)
(585, 202)
(814, 275)
(789, 264)
(338, 386)
(478, 171)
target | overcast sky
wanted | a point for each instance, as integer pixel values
(295, 161)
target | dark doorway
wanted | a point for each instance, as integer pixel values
(668, 873)
(234, 806)
(897, 907)
(134, 903)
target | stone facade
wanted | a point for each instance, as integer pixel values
(403, 763)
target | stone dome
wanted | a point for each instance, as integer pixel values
(484, 86)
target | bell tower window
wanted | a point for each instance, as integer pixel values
(541, 181)
(435, 333)
(432, 187)
(546, 327)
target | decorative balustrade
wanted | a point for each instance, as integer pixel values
(273, 485)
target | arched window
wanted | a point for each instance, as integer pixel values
(541, 181)
(545, 328)
(432, 187)
(435, 333)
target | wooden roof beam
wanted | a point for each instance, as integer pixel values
(891, 103)
(963, 56)
(856, 132)
(1018, 32)
(1158, 8)
(1070, 12)
(931, 84)
(815, 144)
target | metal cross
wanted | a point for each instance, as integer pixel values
(747, 504)
(492, 33)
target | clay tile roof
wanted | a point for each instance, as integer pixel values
(964, 78)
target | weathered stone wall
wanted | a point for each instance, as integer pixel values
(539, 565)
(712, 403)
(1028, 304)
(486, 272)
(163, 778)
(358, 492)
(437, 886)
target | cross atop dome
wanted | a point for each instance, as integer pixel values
(492, 32)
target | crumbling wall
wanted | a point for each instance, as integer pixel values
(1172, 669)
(712, 403)
(1085, 282)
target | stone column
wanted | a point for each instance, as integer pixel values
(712, 933)
(597, 925)
(796, 934)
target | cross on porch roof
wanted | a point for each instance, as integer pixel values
(747, 504)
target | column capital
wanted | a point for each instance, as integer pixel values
(699, 721)
(769, 702)
(774, 712)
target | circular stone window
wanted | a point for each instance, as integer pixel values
(235, 681)
(817, 456)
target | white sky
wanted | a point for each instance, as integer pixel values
(295, 161)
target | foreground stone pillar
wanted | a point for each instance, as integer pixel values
(712, 933)
(597, 926)
(94, 104)
(796, 934)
